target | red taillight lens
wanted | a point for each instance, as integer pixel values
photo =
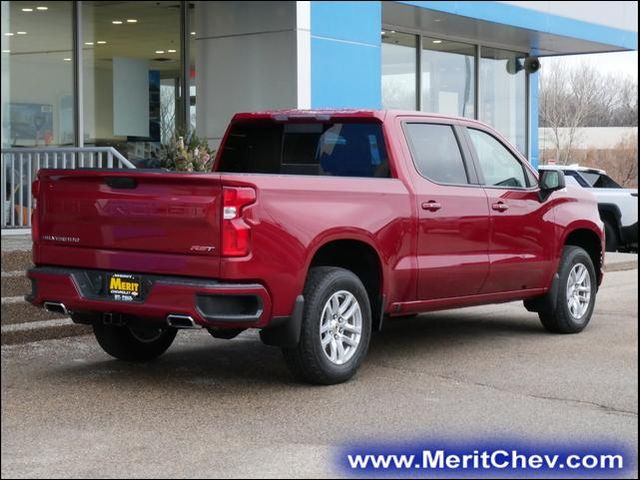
(35, 226)
(236, 233)
(35, 188)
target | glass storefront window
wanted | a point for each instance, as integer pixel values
(448, 77)
(503, 97)
(398, 70)
(131, 71)
(37, 75)
(192, 67)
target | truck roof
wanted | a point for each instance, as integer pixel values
(574, 166)
(325, 114)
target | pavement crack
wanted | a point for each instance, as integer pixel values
(605, 408)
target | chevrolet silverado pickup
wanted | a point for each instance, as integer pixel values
(314, 227)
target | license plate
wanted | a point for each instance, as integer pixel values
(124, 287)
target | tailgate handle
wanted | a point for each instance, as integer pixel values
(122, 182)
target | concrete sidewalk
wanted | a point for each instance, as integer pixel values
(22, 323)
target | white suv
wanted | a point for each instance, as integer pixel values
(618, 206)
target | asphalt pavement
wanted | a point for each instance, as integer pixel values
(217, 408)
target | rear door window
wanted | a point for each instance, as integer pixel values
(436, 153)
(331, 149)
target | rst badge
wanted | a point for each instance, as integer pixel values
(203, 248)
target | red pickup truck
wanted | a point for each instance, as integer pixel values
(314, 227)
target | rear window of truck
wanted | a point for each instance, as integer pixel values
(333, 149)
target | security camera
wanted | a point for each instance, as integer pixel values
(531, 64)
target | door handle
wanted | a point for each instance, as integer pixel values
(431, 205)
(500, 207)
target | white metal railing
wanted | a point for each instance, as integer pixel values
(19, 167)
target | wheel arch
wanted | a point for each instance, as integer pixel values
(360, 256)
(591, 242)
(611, 212)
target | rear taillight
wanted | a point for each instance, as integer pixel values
(236, 233)
(35, 226)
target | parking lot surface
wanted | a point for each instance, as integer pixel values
(222, 408)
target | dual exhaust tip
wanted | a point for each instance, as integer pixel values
(56, 307)
(174, 320)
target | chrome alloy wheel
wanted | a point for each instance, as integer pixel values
(341, 327)
(578, 291)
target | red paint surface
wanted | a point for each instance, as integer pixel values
(462, 253)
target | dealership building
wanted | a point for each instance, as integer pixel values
(88, 83)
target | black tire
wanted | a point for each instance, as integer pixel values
(610, 236)
(307, 361)
(558, 318)
(133, 344)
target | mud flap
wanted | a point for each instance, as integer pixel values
(286, 332)
(546, 302)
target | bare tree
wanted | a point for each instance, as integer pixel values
(625, 162)
(167, 113)
(568, 98)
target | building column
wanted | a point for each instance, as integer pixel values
(533, 120)
(345, 54)
(246, 60)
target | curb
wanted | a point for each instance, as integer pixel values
(42, 330)
(621, 266)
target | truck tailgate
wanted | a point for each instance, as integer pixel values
(132, 210)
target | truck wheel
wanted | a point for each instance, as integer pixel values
(133, 343)
(571, 311)
(336, 328)
(610, 237)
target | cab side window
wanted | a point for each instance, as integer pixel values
(499, 167)
(436, 153)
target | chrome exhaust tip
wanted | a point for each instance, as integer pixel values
(56, 307)
(176, 320)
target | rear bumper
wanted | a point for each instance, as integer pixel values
(209, 302)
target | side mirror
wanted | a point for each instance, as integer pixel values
(550, 181)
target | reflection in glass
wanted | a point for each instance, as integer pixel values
(131, 74)
(448, 77)
(398, 70)
(503, 94)
(37, 75)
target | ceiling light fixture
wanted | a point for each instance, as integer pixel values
(42, 9)
(193, 33)
(171, 51)
(66, 59)
(27, 9)
(159, 51)
(132, 20)
(88, 43)
(21, 33)
(6, 51)
(8, 34)
(117, 22)
(101, 42)
(437, 41)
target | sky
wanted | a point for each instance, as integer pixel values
(618, 63)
